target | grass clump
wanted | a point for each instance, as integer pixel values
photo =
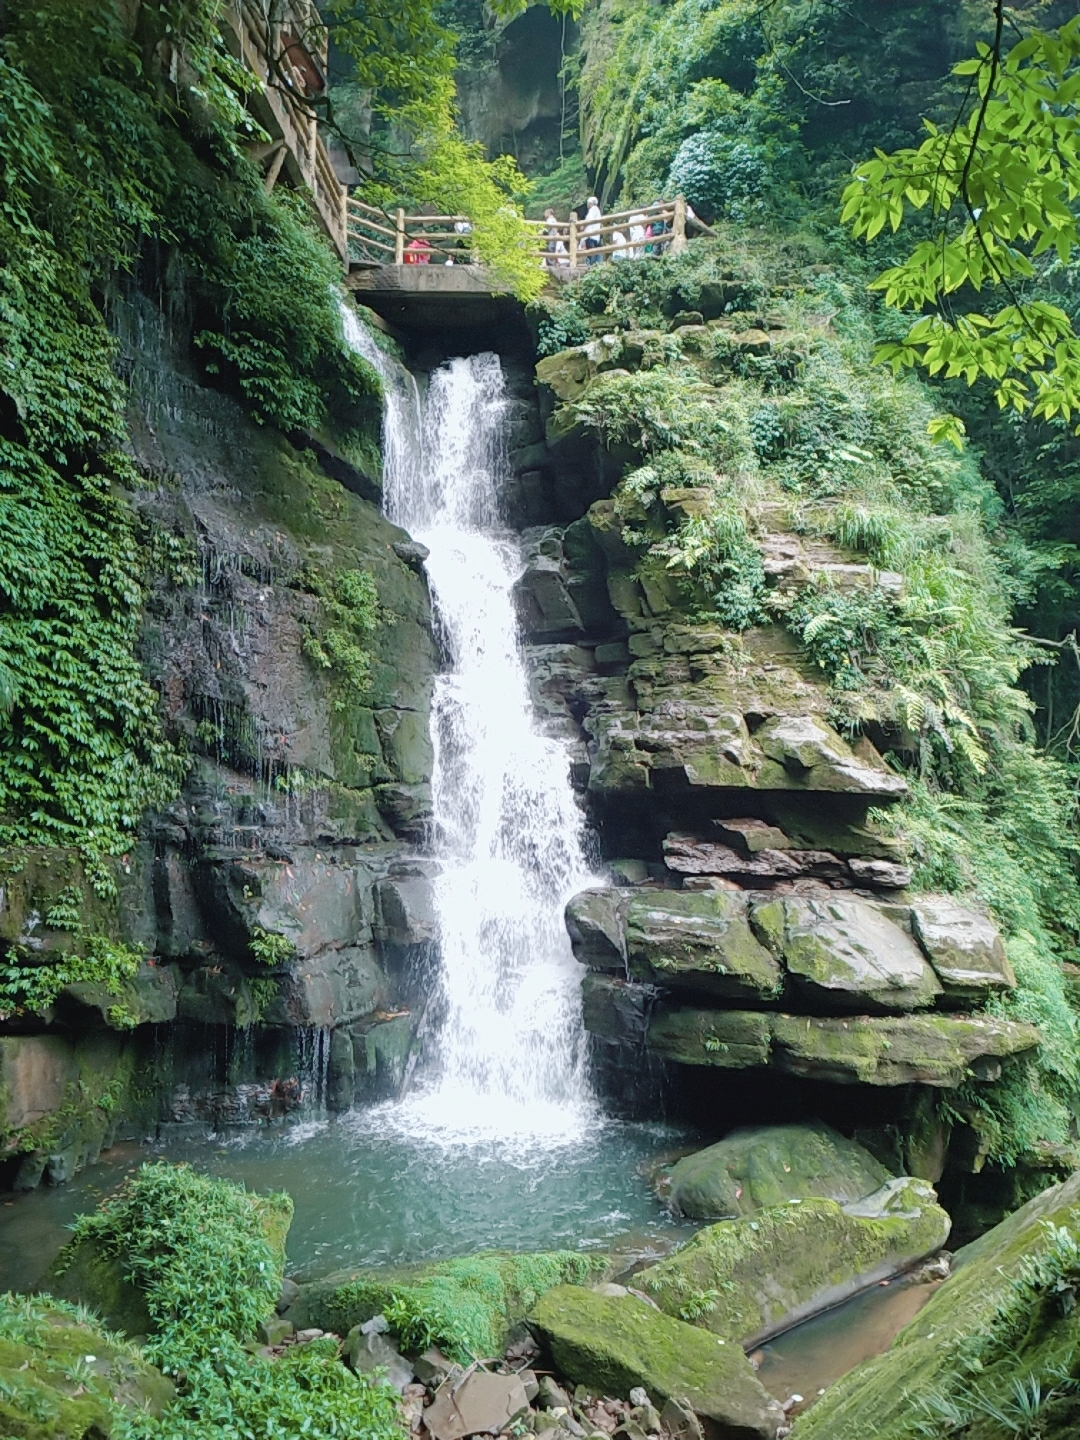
(465, 1305)
(208, 1257)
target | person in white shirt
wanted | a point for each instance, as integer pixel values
(619, 239)
(637, 236)
(592, 230)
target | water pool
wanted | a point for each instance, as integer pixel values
(369, 1193)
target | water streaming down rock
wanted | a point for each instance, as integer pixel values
(509, 1057)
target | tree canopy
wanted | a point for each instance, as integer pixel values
(997, 191)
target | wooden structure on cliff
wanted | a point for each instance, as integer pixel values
(390, 237)
(284, 43)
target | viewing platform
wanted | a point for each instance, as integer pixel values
(419, 271)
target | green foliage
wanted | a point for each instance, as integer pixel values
(263, 994)
(558, 327)
(465, 1305)
(350, 605)
(271, 949)
(34, 986)
(208, 1258)
(755, 108)
(1000, 186)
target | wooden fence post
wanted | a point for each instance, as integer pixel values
(399, 238)
(572, 240)
(678, 225)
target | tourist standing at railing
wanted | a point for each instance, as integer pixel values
(554, 248)
(656, 230)
(593, 219)
(621, 251)
(637, 236)
(418, 251)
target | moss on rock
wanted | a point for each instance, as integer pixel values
(1003, 1326)
(465, 1305)
(613, 1344)
(62, 1377)
(754, 1168)
(746, 1279)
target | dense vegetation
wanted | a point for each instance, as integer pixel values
(208, 1257)
(107, 167)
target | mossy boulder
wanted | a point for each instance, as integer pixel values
(699, 940)
(941, 1050)
(1004, 1318)
(63, 1378)
(751, 1169)
(465, 1305)
(148, 998)
(614, 1344)
(747, 1279)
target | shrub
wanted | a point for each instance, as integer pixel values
(208, 1257)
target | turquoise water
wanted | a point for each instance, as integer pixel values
(367, 1194)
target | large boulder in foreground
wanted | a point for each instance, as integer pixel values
(1005, 1318)
(750, 1278)
(61, 1376)
(770, 1165)
(612, 1344)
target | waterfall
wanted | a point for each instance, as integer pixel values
(509, 1056)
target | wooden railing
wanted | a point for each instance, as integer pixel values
(390, 237)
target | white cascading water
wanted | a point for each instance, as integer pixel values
(509, 1058)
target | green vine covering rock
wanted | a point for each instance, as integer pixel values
(101, 161)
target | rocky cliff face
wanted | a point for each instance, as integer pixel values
(763, 951)
(282, 898)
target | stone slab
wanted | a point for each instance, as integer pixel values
(938, 1050)
(699, 940)
(843, 953)
(747, 1279)
(963, 946)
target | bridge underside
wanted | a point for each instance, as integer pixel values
(435, 297)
